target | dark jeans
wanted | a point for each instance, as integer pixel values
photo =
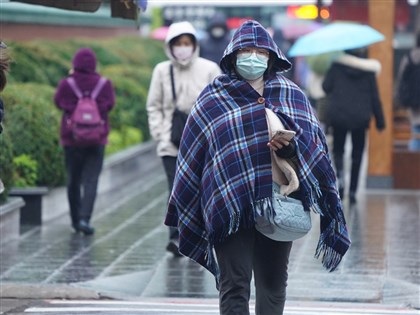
(83, 167)
(239, 255)
(358, 140)
(169, 164)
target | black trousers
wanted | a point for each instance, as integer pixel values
(169, 164)
(83, 167)
(358, 140)
(239, 255)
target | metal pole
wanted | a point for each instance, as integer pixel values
(319, 6)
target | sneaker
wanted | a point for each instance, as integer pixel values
(75, 228)
(173, 248)
(85, 228)
(341, 193)
(353, 199)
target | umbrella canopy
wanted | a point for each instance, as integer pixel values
(334, 37)
(298, 28)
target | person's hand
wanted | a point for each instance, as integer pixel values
(277, 144)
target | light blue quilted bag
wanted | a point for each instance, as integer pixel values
(284, 220)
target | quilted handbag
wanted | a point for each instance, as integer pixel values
(284, 220)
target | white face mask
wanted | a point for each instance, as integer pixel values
(218, 32)
(182, 53)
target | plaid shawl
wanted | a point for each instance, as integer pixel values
(224, 164)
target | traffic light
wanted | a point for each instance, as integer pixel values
(309, 11)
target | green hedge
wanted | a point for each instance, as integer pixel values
(31, 125)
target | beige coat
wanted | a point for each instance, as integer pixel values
(283, 173)
(190, 79)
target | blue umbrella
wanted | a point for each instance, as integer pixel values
(334, 37)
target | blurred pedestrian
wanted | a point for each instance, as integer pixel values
(83, 161)
(318, 67)
(190, 74)
(353, 97)
(213, 46)
(284, 45)
(409, 91)
(224, 175)
(4, 67)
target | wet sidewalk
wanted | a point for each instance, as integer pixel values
(126, 258)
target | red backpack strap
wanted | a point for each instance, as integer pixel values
(74, 87)
(98, 87)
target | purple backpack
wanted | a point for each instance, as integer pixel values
(86, 122)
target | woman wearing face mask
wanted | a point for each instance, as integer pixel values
(190, 75)
(213, 46)
(224, 175)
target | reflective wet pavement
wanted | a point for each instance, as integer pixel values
(126, 258)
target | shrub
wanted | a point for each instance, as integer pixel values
(36, 63)
(120, 139)
(33, 124)
(130, 108)
(25, 173)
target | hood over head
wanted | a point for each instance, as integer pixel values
(84, 60)
(218, 20)
(175, 30)
(252, 33)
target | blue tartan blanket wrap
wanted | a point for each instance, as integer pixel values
(224, 168)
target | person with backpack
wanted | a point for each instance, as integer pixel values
(408, 91)
(86, 98)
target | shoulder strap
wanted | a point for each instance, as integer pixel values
(98, 87)
(94, 92)
(74, 87)
(171, 69)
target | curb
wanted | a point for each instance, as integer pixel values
(33, 291)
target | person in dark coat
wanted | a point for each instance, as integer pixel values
(352, 90)
(214, 45)
(410, 100)
(83, 163)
